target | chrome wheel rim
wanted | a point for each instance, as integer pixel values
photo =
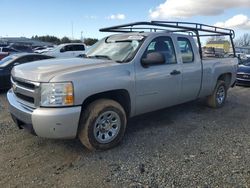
(107, 127)
(220, 95)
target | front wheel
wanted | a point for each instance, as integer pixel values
(102, 125)
(219, 95)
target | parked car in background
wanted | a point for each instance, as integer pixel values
(3, 55)
(44, 49)
(38, 48)
(5, 51)
(8, 50)
(67, 50)
(243, 74)
(21, 48)
(7, 63)
(242, 56)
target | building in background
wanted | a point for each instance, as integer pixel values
(223, 44)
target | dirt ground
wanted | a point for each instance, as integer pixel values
(189, 145)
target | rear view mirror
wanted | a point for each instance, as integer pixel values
(154, 58)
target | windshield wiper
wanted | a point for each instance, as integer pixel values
(100, 57)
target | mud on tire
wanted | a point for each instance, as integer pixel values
(219, 95)
(102, 125)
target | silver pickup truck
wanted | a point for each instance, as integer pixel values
(121, 76)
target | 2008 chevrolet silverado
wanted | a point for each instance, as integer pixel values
(121, 76)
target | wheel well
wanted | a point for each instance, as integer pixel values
(121, 96)
(226, 78)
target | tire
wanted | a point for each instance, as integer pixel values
(102, 125)
(219, 95)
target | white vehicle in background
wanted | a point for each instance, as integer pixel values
(40, 50)
(67, 50)
(241, 56)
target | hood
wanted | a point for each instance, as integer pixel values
(45, 70)
(244, 68)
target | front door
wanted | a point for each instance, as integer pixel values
(158, 86)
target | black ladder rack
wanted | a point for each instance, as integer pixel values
(195, 29)
(154, 26)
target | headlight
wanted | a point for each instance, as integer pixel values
(57, 94)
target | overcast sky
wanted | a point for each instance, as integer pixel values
(56, 17)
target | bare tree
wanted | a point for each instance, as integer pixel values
(243, 40)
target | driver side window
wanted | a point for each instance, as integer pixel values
(163, 45)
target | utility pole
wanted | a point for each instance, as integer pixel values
(81, 36)
(72, 29)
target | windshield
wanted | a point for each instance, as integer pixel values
(5, 61)
(119, 48)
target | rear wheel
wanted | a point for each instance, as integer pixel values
(102, 125)
(218, 98)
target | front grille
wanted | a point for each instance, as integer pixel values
(24, 84)
(25, 98)
(26, 91)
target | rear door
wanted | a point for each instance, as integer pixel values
(191, 69)
(158, 86)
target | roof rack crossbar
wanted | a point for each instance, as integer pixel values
(210, 35)
(199, 27)
(191, 23)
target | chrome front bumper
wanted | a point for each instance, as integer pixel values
(45, 122)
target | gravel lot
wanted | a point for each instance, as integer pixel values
(189, 145)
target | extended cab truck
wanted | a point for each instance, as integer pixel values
(122, 76)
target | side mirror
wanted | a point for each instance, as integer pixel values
(62, 50)
(154, 58)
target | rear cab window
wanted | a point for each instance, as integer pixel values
(186, 50)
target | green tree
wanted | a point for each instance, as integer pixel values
(90, 41)
(65, 40)
(76, 41)
(55, 40)
(47, 38)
